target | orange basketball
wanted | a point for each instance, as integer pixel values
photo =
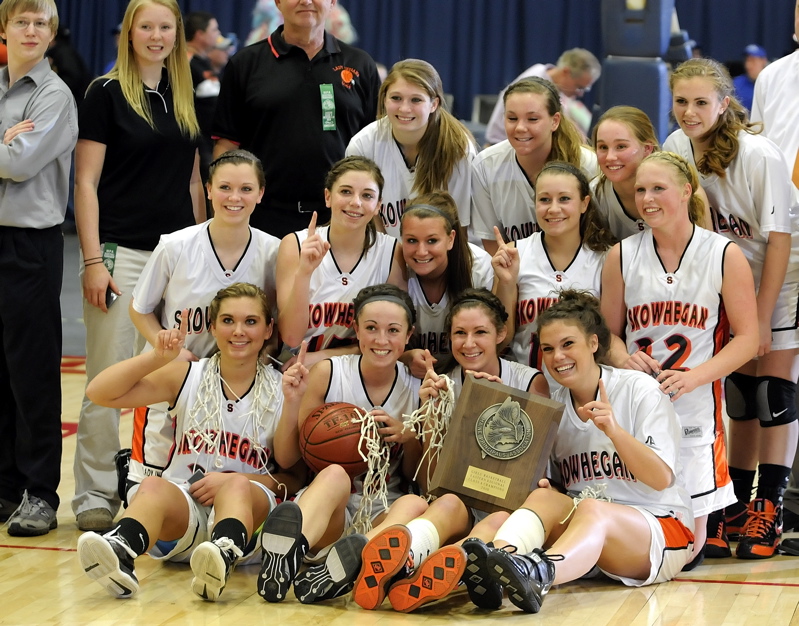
(330, 435)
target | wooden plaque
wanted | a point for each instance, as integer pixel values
(495, 466)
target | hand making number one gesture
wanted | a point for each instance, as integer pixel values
(313, 249)
(505, 261)
(169, 342)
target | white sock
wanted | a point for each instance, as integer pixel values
(424, 539)
(523, 529)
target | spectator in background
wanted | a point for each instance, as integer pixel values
(115, 34)
(219, 55)
(68, 64)
(301, 94)
(202, 32)
(577, 70)
(755, 60)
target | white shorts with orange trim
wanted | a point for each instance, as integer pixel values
(785, 319)
(707, 477)
(670, 549)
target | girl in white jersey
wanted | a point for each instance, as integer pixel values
(185, 271)
(568, 252)
(322, 268)
(503, 175)
(615, 499)
(418, 145)
(441, 264)
(476, 326)
(221, 481)
(674, 292)
(377, 382)
(752, 202)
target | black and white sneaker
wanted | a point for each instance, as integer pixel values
(212, 562)
(336, 576)
(108, 559)
(483, 591)
(526, 577)
(284, 548)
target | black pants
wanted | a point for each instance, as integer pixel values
(31, 268)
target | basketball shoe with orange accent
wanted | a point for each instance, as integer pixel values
(384, 557)
(435, 578)
(718, 544)
(763, 530)
(735, 518)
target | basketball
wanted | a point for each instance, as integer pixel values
(330, 435)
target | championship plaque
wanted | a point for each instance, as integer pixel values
(497, 446)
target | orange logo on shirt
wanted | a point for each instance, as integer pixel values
(348, 75)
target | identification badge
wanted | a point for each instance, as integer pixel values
(328, 107)
(110, 256)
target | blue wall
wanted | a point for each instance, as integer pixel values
(478, 46)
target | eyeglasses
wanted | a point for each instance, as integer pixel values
(23, 24)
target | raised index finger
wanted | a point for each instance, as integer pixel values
(500, 239)
(603, 394)
(184, 323)
(303, 350)
(312, 225)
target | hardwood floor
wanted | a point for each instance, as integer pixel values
(42, 583)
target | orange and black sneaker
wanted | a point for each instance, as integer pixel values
(762, 534)
(736, 516)
(435, 578)
(384, 557)
(717, 545)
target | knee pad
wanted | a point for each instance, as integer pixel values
(776, 401)
(740, 391)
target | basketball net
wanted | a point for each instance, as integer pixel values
(375, 484)
(205, 426)
(432, 418)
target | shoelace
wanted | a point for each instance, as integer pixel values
(225, 543)
(29, 506)
(114, 537)
(759, 523)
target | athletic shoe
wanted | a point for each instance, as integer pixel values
(284, 547)
(336, 576)
(483, 591)
(7, 509)
(212, 562)
(434, 579)
(736, 516)
(527, 577)
(33, 517)
(717, 545)
(384, 557)
(763, 530)
(108, 559)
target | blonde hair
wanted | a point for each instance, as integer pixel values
(685, 172)
(445, 141)
(724, 134)
(566, 140)
(13, 7)
(126, 71)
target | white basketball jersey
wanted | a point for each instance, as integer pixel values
(538, 286)
(430, 316)
(184, 272)
(331, 308)
(502, 196)
(346, 385)
(245, 440)
(755, 197)
(511, 374)
(584, 456)
(377, 142)
(621, 223)
(679, 319)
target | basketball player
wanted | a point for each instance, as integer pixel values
(568, 252)
(377, 382)
(752, 202)
(628, 514)
(218, 486)
(322, 268)
(503, 175)
(185, 271)
(675, 292)
(441, 263)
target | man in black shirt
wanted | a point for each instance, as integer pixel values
(295, 100)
